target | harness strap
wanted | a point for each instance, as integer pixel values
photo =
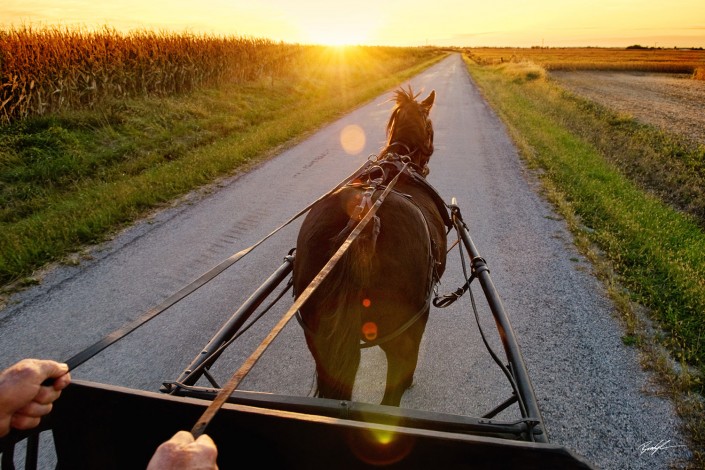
(398, 331)
(442, 301)
(383, 339)
(394, 161)
(437, 199)
(402, 144)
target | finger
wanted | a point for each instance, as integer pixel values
(5, 424)
(34, 410)
(52, 369)
(207, 450)
(46, 395)
(62, 382)
(24, 422)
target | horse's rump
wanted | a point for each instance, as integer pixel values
(403, 251)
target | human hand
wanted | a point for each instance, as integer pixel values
(182, 452)
(23, 398)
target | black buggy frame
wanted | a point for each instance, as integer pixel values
(101, 426)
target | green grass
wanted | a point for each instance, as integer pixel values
(71, 179)
(648, 249)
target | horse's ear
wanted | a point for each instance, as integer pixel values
(428, 102)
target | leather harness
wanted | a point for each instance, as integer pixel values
(375, 177)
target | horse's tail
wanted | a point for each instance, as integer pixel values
(337, 342)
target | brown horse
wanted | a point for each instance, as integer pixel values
(379, 292)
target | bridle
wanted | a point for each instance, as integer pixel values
(427, 146)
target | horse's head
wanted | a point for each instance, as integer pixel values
(409, 130)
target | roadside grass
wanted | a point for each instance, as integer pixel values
(74, 178)
(668, 166)
(649, 254)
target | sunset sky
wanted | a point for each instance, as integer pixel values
(516, 23)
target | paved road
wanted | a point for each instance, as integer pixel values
(594, 397)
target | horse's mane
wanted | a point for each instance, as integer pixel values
(410, 119)
(402, 98)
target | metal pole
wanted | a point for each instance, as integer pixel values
(511, 347)
(235, 322)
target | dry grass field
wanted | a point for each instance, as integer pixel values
(690, 61)
(661, 87)
(672, 102)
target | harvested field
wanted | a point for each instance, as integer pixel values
(673, 102)
(596, 58)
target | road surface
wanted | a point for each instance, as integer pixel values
(595, 398)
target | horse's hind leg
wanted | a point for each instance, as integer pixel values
(336, 380)
(402, 358)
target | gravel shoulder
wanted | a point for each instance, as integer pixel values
(673, 102)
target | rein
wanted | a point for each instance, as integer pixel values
(194, 285)
(398, 331)
(408, 150)
(200, 426)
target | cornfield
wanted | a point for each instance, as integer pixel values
(53, 69)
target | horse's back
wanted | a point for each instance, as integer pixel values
(404, 257)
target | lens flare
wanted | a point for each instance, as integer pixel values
(352, 139)
(380, 447)
(366, 303)
(369, 331)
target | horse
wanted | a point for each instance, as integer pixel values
(378, 294)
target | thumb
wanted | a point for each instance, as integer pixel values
(50, 370)
(205, 439)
